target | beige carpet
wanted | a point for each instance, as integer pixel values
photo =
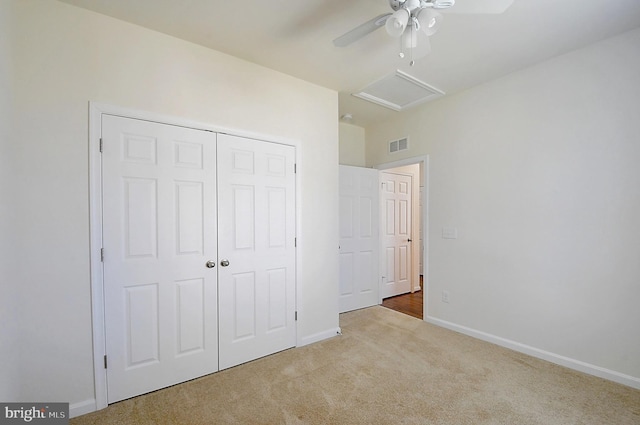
(386, 368)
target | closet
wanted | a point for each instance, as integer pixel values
(198, 234)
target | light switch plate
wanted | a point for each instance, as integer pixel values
(445, 297)
(449, 233)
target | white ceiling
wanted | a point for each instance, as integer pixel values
(295, 37)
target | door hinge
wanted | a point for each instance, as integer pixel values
(296, 316)
(295, 242)
(101, 145)
(105, 361)
(102, 255)
(295, 168)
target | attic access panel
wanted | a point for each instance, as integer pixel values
(399, 91)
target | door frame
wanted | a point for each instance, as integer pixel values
(423, 161)
(96, 111)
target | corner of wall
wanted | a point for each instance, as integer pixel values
(352, 145)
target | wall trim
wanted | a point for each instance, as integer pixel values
(82, 408)
(568, 362)
(317, 337)
(96, 110)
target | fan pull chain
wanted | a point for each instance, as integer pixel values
(413, 35)
(413, 28)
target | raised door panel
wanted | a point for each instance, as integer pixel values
(189, 203)
(140, 207)
(347, 274)
(190, 313)
(142, 325)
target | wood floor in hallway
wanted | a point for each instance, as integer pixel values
(410, 304)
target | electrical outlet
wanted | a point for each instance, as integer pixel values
(445, 297)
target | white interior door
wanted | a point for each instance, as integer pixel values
(359, 240)
(396, 234)
(159, 231)
(256, 192)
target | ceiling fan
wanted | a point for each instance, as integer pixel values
(414, 19)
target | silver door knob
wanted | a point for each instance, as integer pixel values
(224, 263)
(210, 264)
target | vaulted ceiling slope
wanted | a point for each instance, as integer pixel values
(295, 37)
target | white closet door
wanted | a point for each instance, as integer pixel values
(159, 231)
(256, 194)
(359, 241)
(396, 234)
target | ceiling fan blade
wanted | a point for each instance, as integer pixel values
(360, 31)
(480, 6)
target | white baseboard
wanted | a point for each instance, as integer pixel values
(578, 365)
(82, 408)
(310, 339)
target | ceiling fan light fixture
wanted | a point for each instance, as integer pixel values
(443, 4)
(429, 21)
(397, 22)
(410, 39)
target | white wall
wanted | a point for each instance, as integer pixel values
(539, 172)
(352, 150)
(63, 57)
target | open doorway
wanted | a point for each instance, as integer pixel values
(363, 267)
(403, 236)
